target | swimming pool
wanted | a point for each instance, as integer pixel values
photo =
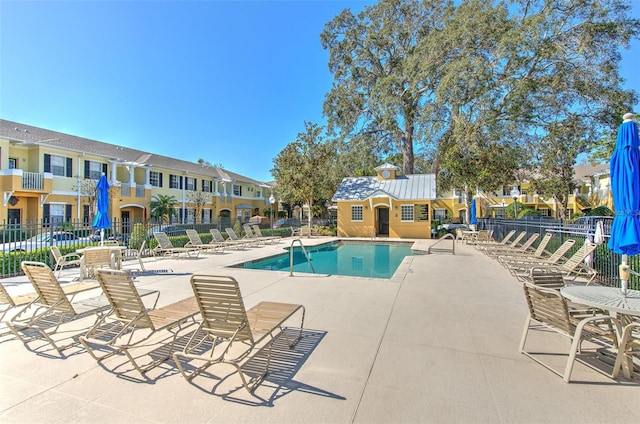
(357, 259)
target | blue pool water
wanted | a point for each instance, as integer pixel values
(358, 259)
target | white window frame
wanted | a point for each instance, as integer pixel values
(95, 170)
(56, 212)
(154, 178)
(355, 211)
(174, 181)
(407, 213)
(439, 214)
(190, 218)
(190, 184)
(57, 168)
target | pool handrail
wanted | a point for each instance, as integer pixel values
(447, 236)
(306, 255)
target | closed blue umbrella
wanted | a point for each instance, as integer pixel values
(625, 187)
(473, 220)
(102, 220)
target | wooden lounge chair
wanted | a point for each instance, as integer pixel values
(166, 248)
(484, 238)
(196, 242)
(233, 236)
(61, 260)
(539, 252)
(548, 309)
(258, 232)
(249, 230)
(218, 238)
(499, 246)
(572, 268)
(135, 254)
(520, 265)
(51, 308)
(118, 330)
(226, 324)
(514, 247)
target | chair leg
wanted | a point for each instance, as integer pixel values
(623, 360)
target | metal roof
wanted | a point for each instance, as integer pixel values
(404, 187)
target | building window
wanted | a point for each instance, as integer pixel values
(174, 181)
(206, 216)
(206, 186)
(58, 165)
(406, 213)
(545, 211)
(439, 214)
(190, 184)
(57, 213)
(237, 190)
(190, 216)
(93, 170)
(155, 179)
(13, 163)
(86, 215)
(356, 213)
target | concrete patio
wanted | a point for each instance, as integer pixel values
(438, 343)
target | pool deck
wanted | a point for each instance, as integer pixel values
(438, 343)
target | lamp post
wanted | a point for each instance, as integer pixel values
(272, 201)
(515, 193)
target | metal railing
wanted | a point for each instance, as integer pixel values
(306, 255)
(30, 240)
(604, 261)
(32, 181)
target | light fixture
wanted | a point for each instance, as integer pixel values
(515, 193)
(272, 201)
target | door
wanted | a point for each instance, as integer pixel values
(126, 222)
(13, 215)
(383, 221)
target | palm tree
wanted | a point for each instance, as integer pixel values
(161, 206)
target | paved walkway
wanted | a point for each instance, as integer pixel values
(436, 344)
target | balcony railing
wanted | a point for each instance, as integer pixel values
(32, 181)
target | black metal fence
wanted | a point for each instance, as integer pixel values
(605, 262)
(32, 240)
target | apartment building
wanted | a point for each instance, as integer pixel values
(47, 175)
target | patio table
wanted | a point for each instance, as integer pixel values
(116, 257)
(609, 299)
(470, 236)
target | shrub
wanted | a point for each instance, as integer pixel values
(138, 235)
(600, 211)
(529, 212)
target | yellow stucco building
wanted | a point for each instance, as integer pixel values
(386, 205)
(47, 175)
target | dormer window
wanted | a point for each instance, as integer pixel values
(386, 171)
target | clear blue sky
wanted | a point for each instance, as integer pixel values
(231, 82)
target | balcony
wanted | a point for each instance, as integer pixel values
(126, 191)
(32, 181)
(19, 180)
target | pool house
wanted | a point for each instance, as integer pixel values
(386, 205)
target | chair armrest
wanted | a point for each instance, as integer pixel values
(77, 256)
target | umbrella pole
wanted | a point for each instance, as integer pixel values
(101, 236)
(624, 275)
